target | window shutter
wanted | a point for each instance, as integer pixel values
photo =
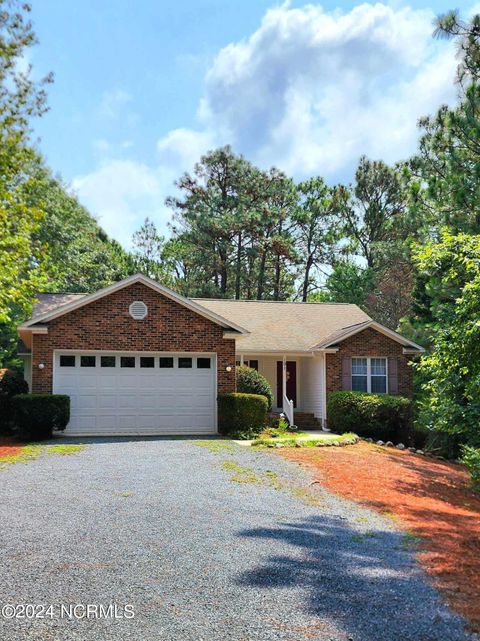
(393, 375)
(346, 373)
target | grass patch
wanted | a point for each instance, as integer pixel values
(269, 479)
(64, 450)
(409, 541)
(248, 475)
(240, 474)
(215, 446)
(276, 434)
(305, 496)
(364, 537)
(304, 440)
(26, 453)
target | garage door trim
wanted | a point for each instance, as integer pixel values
(85, 352)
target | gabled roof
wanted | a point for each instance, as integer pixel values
(346, 332)
(298, 327)
(285, 326)
(55, 305)
(259, 326)
(49, 302)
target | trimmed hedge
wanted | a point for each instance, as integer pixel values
(11, 383)
(242, 416)
(249, 381)
(379, 416)
(36, 416)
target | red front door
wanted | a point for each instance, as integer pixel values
(291, 382)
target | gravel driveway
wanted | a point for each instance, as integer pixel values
(207, 540)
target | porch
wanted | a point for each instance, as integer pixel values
(297, 382)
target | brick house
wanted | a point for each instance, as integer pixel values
(138, 358)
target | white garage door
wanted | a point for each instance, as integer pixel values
(127, 393)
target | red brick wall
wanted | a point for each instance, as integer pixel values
(369, 343)
(107, 325)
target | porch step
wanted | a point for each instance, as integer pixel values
(307, 421)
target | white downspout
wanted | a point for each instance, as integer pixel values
(324, 392)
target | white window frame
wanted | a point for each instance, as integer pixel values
(369, 373)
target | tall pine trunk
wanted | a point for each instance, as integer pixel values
(278, 273)
(306, 278)
(238, 272)
(261, 275)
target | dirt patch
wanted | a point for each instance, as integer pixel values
(431, 499)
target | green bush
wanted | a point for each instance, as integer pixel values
(11, 383)
(249, 381)
(242, 416)
(471, 458)
(36, 416)
(420, 436)
(444, 444)
(379, 416)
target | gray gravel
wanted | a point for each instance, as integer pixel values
(205, 545)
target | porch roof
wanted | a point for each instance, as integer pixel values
(285, 326)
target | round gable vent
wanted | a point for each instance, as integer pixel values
(138, 310)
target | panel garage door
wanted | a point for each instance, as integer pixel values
(126, 393)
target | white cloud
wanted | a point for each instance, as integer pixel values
(309, 91)
(113, 102)
(121, 194)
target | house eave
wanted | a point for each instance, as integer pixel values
(390, 333)
(131, 280)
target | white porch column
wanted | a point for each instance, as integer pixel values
(241, 359)
(287, 404)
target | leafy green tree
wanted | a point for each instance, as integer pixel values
(446, 171)
(451, 370)
(349, 282)
(271, 235)
(316, 231)
(373, 210)
(82, 258)
(210, 215)
(149, 254)
(232, 226)
(467, 35)
(21, 99)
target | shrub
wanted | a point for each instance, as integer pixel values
(379, 416)
(420, 436)
(444, 444)
(471, 458)
(11, 383)
(242, 415)
(36, 416)
(249, 381)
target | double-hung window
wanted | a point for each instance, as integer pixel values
(369, 375)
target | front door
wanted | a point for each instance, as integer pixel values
(291, 382)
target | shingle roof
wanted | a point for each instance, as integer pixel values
(284, 326)
(49, 302)
(273, 326)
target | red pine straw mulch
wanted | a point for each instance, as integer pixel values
(429, 498)
(9, 448)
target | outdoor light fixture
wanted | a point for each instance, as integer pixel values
(228, 368)
(41, 366)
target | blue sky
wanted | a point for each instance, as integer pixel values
(143, 88)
